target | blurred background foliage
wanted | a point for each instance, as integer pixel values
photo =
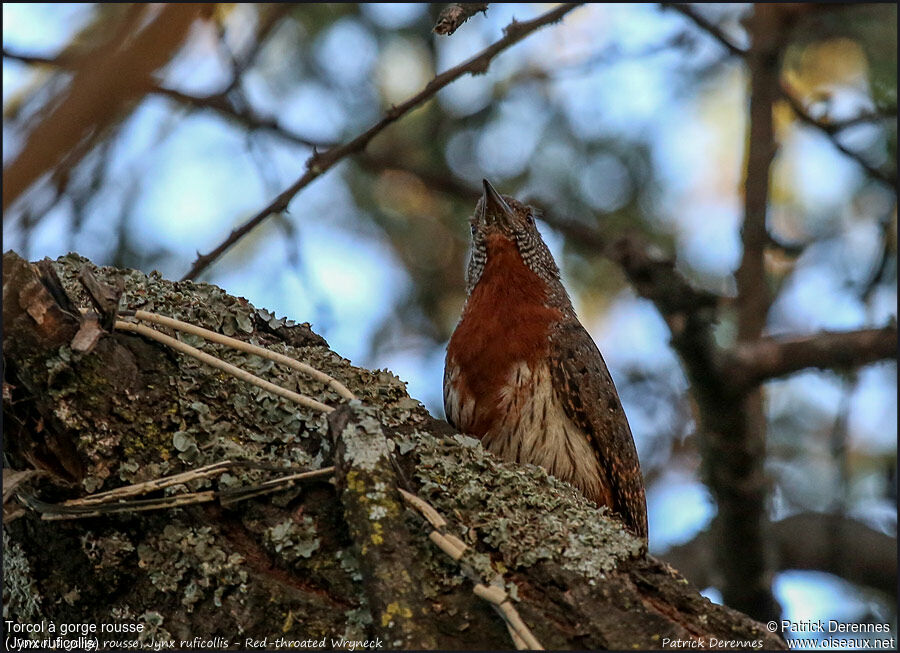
(623, 119)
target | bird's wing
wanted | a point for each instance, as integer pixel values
(590, 400)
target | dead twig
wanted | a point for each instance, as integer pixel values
(494, 593)
(219, 364)
(247, 347)
(110, 502)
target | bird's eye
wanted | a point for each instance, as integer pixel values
(530, 219)
(473, 229)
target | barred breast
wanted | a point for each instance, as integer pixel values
(526, 423)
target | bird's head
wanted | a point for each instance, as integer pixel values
(501, 220)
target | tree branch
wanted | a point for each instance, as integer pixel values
(750, 364)
(103, 86)
(247, 117)
(453, 16)
(321, 163)
(732, 433)
(753, 295)
(839, 545)
(218, 102)
(706, 25)
(830, 129)
(349, 558)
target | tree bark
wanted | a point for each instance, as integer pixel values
(332, 558)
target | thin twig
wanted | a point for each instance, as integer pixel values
(218, 102)
(320, 163)
(834, 126)
(233, 495)
(240, 345)
(830, 130)
(246, 116)
(273, 16)
(212, 361)
(152, 485)
(106, 503)
(706, 25)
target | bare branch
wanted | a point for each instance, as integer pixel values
(839, 545)
(37, 60)
(706, 25)
(321, 163)
(834, 126)
(831, 130)
(453, 16)
(271, 17)
(218, 102)
(828, 128)
(762, 60)
(750, 364)
(246, 116)
(248, 347)
(219, 364)
(732, 434)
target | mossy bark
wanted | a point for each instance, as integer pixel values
(333, 558)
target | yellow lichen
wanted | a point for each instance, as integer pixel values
(377, 538)
(395, 609)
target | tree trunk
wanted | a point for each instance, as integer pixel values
(336, 557)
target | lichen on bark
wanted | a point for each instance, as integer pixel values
(330, 558)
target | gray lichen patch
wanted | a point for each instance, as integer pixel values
(213, 416)
(190, 560)
(521, 511)
(291, 540)
(21, 597)
(365, 444)
(107, 551)
(289, 550)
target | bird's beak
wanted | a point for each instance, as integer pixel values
(494, 210)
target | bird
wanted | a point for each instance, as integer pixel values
(524, 376)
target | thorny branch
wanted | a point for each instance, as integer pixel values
(320, 163)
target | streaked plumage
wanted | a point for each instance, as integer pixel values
(523, 375)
